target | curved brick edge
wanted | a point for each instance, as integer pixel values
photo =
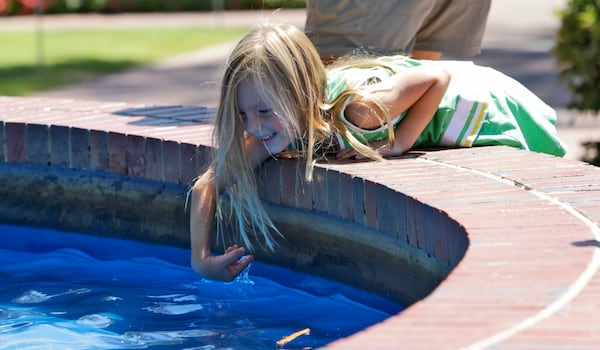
(528, 278)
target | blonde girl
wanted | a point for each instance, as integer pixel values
(276, 95)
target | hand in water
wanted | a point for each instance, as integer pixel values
(224, 267)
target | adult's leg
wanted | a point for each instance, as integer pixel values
(454, 28)
(380, 26)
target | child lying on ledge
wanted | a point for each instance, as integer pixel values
(278, 96)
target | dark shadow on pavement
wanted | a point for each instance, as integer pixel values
(588, 243)
(167, 114)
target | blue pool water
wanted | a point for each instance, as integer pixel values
(73, 291)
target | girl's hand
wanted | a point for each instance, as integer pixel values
(386, 151)
(382, 147)
(349, 153)
(224, 267)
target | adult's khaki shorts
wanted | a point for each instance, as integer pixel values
(453, 27)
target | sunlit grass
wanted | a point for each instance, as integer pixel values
(30, 62)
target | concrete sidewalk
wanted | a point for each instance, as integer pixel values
(518, 41)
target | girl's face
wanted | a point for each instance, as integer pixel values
(261, 118)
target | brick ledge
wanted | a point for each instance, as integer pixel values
(528, 278)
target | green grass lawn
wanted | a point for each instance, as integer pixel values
(75, 55)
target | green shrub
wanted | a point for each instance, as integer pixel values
(591, 152)
(578, 52)
(284, 3)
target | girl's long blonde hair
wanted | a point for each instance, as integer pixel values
(287, 71)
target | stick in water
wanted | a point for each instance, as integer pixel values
(289, 338)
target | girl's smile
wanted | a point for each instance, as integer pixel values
(260, 119)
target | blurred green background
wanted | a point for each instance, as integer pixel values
(76, 55)
(37, 59)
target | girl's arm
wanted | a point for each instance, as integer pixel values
(202, 214)
(418, 90)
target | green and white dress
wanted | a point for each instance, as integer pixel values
(480, 107)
